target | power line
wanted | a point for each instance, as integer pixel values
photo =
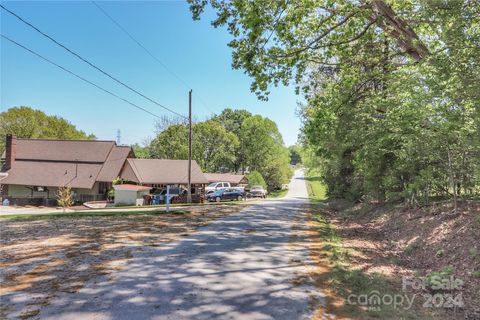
(149, 52)
(78, 76)
(88, 62)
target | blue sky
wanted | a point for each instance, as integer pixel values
(194, 50)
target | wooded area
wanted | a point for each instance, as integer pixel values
(392, 88)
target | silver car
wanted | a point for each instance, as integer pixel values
(258, 191)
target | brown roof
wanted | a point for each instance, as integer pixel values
(161, 171)
(63, 150)
(114, 163)
(54, 163)
(53, 174)
(226, 177)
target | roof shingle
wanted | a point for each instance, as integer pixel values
(162, 171)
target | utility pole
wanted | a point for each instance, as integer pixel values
(189, 192)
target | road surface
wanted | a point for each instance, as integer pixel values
(244, 266)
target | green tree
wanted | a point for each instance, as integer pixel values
(255, 178)
(171, 143)
(140, 152)
(232, 121)
(391, 89)
(265, 151)
(213, 147)
(295, 154)
(26, 122)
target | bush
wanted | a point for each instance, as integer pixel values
(65, 197)
(255, 178)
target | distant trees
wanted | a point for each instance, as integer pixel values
(265, 151)
(295, 154)
(140, 152)
(171, 143)
(26, 122)
(233, 141)
(213, 147)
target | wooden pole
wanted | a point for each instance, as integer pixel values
(189, 192)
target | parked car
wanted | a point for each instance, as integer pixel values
(258, 191)
(228, 194)
(214, 186)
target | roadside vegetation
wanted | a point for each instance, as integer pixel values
(278, 193)
(365, 248)
(391, 129)
(315, 186)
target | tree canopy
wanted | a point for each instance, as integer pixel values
(233, 141)
(26, 122)
(391, 88)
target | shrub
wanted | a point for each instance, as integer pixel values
(255, 178)
(65, 197)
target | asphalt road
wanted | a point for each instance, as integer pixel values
(244, 266)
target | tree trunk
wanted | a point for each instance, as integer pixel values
(452, 180)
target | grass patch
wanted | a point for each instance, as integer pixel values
(278, 193)
(411, 248)
(315, 186)
(83, 214)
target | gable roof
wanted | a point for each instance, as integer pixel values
(226, 177)
(162, 171)
(77, 163)
(114, 163)
(63, 150)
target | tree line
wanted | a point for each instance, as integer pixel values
(391, 88)
(26, 122)
(233, 141)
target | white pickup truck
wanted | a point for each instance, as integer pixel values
(214, 186)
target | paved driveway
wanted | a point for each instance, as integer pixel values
(244, 266)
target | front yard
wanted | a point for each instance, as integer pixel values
(43, 255)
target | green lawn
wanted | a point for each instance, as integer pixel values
(278, 193)
(316, 188)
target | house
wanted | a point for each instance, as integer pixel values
(158, 173)
(233, 179)
(38, 167)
